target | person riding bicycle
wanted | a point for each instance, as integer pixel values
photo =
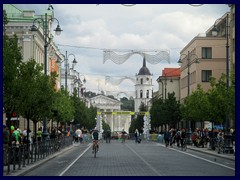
(95, 137)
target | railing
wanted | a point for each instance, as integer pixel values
(20, 155)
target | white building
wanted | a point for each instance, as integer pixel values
(110, 110)
(143, 87)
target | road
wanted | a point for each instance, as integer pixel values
(130, 159)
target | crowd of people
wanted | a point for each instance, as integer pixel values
(199, 137)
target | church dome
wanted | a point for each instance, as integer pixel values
(144, 70)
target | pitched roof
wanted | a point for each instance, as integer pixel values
(171, 72)
(144, 70)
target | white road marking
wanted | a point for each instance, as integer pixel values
(68, 167)
(149, 165)
(200, 158)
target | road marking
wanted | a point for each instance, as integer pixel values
(149, 165)
(200, 158)
(89, 146)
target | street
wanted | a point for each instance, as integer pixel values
(130, 159)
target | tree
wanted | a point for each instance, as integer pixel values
(196, 106)
(63, 106)
(127, 104)
(12, 59)
(165, 111)
(83, 115)
(36, 92)
(172, 110)
(138, 122)
(222, 103)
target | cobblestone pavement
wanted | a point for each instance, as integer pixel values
(123, 156)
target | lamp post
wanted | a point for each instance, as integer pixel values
(79, 81)
(66, 74)
(188, 85)
(46, 32)
(228, 135)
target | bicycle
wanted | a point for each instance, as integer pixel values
(95, 148)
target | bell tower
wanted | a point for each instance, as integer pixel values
(143, 87)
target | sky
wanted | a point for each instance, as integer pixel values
(88, 29)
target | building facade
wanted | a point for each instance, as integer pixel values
(31, 43)
(110, 110)
(169, 82)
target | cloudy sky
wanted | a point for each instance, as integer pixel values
(88, 29)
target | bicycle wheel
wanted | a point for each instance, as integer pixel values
(95, 150)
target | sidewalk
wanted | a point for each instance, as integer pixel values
(211, 152)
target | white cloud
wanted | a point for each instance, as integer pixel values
(143, 26)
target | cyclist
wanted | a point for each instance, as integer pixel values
(95, 137)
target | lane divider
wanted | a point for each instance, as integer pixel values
(69, 166)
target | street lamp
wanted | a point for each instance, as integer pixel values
(228, 136)
(66, 65)
(46, 32)
(66, 73)
(79, 81)
(188, 85)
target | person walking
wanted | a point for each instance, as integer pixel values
(167, 136)
(78, 134)
(136, 135)
(124, 135)
(39, 134)
(108, 136)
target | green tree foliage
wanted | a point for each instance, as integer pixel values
(63, 107)
(137, 123)
(172, 110)
(83, 115)
(127, 104)
(165, 111)
(12, 59)
(222, 101)
(196, 106)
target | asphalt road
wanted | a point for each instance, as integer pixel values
(130, 159)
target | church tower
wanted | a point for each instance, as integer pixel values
(143, 87)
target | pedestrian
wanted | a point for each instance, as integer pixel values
(123, 135)
(108, 136)
(39, 134)
(136, 135)
(78, 134)
(86, 136)
(183, 137)
(6, 141)
(167, 135)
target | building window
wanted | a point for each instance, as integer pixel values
(141, 94)
(206, 74)
(141, 80)
(206, 53)
(147, 93)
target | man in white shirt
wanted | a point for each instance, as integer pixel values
(78, 134)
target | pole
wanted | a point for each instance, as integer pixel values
(66, 65)
(188, 93)
(45, 26)
(227, 74)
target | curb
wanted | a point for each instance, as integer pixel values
(214, 153)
